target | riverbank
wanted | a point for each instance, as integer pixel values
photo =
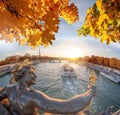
(108, 72)
(5, 69)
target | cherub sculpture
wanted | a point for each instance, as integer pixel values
(25, 101)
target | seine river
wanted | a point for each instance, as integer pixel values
(49, 81)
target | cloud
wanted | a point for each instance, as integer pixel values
(8, 49)
(107, 50)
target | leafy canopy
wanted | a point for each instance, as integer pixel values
(103, 21)
(34, 22)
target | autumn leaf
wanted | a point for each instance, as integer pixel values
(103, 21)
(33, 22)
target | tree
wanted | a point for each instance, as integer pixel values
(103, 21)
(34, 22)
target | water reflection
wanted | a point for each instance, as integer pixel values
(49, 80)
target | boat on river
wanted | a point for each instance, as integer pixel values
(4, 70)
(111, 77)
(68, 72)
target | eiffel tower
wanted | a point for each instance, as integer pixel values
(39, 53)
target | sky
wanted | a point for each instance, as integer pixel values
(67, 43)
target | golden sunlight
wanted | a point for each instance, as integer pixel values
(73, 52)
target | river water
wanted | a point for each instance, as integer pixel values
(49, 81)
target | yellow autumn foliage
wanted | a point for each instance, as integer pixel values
(103, 21)
(34, 22)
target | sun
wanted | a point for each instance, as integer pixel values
(72, 52)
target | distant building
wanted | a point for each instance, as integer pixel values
(34, 57)
(12, 59)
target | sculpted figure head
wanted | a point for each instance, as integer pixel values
(23, 73)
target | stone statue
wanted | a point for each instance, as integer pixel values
(24, 101)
